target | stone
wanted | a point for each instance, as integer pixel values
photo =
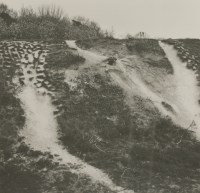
(111, 60)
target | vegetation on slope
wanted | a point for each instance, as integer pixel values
(150, 47)
(14, 175)
(45, 23)
(98, 126)
(22, 169)
(61, 56)
(96, 123)
(148, 50)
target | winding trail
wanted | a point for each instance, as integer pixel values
(41, 128)
(179, 99)
(187, 92)
(37, 95)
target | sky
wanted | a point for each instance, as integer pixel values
(158, 18)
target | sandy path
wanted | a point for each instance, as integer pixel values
(41, 128)
(91, 58)
(186, 93)
(134, 85)
(181, 93)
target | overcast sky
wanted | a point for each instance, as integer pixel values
(159, 18)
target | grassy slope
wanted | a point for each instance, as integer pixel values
(147, 50)
(14, 175)
(23, 170)
(60, 58)
(99, 127)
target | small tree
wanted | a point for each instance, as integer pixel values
(51, 11)
(8, 15)
(3, 8)
(96, 28)
(109, 33)
(27, 13)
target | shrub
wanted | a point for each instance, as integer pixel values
(46, 30)
(48, 22)
(62, 58)
(139, 46)
(14, 31)
(28, 28)
(3, 29)
(61, 28)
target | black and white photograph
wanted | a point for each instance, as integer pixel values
(99, 96)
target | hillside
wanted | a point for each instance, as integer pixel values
(71, 122)
(83, 112)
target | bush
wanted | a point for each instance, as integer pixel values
(14, 30)
(62, 58)
(48, 22)
(3, 29)
(46, 29)
(28, 28)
